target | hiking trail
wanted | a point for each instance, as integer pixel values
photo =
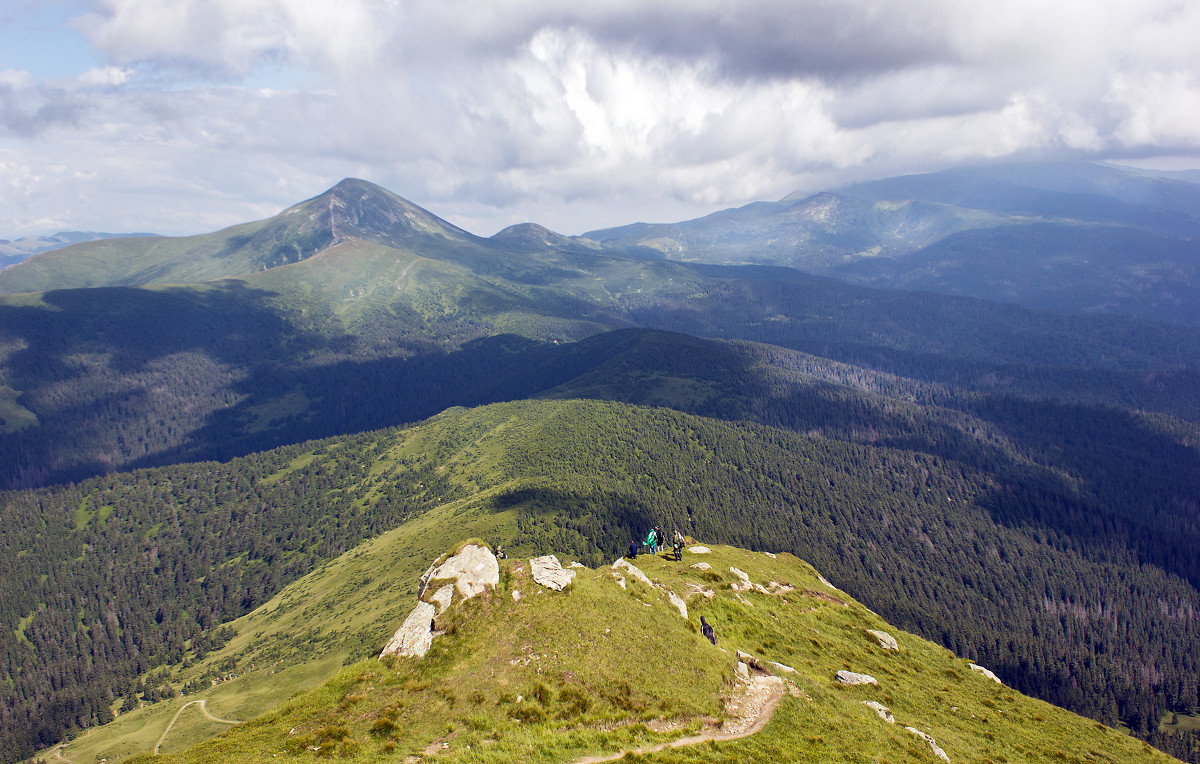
(203, 709)
(753, 708)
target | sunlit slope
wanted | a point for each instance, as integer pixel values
(600, 669)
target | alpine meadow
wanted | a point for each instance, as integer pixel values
(960, 410)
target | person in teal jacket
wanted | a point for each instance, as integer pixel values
(652, 540)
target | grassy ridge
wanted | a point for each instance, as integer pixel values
(598, 669)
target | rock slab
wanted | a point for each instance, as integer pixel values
(884, 712)
(938, 752)
(548, 572)
(853, 678)
(885, 640)
(986, 672)
(414, 638)
(700, 566)
(633, 570)
(699, 550)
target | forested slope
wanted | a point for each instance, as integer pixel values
(1015, 575)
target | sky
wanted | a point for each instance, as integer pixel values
(186, 116)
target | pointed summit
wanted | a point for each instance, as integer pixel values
(356, 208)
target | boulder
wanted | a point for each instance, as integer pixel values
(743, 670)
(884, 712)
(516, 595)
(852, 678)
(633, 570)
(938, 752)
(783, 667)
(885, 640)
(985, 672)
(699, 550)
(414, 638)
(679, 604)
(549, 573)
(700, 566)
(473, 568)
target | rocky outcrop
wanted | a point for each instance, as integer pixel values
(700, 566)
(469, 571)
(884, 712)
(853, 678)
(885, 640)
(473, 569)
(699, 550)
(548, 572)
(986, 672)
(938, 752)
(414, 638)
(679, 604)
(633, 570)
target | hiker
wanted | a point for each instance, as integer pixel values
(652, 540)
(707, 630)
(680, 541)
(632, 550)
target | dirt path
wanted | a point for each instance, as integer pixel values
(203, 709)
(58, 753)
(751, 711)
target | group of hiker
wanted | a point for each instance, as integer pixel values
(654, 539)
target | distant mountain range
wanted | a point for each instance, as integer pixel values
(1068, 237)
(13, 252)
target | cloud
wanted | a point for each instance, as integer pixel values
(577, 114)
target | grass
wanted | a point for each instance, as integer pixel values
(594, 669)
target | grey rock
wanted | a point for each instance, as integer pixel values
(853, 678)
(472, 568)
(743, 670)
(414, 638)
(783, 667)
(700, 566)
(442, 598)
(699, 550)
(938, 752)
(549, 573)
(679, 604)
(633, 570)
(986, 672)
(884, 712)
(885, 640)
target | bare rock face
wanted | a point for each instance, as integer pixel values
(852, 678)
(548, 572)
(442, 598)
(884, 712)
(414, 638)
(938, 752)
(679, 604)
(633, 570)
(473, 568)
(885, 640)
(986, 672)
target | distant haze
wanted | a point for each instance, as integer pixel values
(192, 115)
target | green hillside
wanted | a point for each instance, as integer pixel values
(933, 545)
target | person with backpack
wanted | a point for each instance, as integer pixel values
(707, 630)
(632, 550)
(652, 540)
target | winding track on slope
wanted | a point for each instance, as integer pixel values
(760, 700)
(203, 709)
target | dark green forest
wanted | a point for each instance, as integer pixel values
(1067, 597)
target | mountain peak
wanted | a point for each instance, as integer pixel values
(530, 235)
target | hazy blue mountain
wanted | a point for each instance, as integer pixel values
(1067, 236)
(14, 251)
